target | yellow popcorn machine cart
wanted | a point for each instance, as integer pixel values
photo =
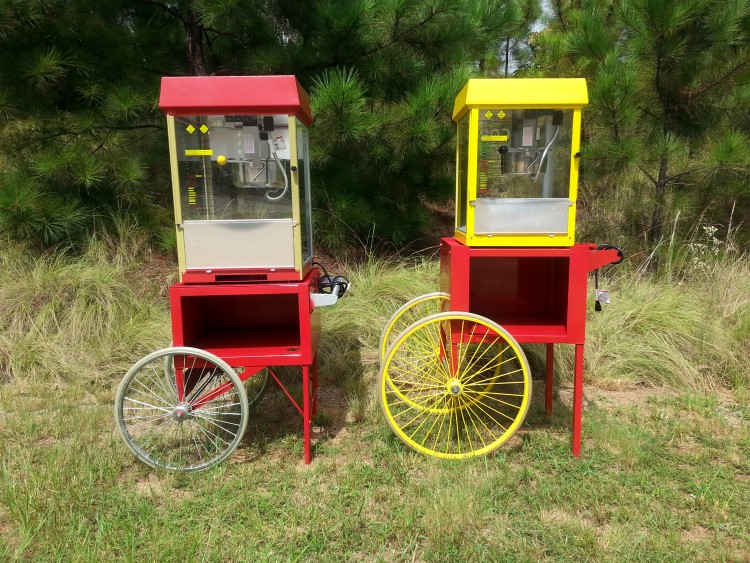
(454, 381)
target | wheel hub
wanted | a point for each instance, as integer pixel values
(454, 387)
(181, 412)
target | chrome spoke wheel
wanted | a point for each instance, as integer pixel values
(181, 409)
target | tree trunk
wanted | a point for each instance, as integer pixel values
(657, 215)
(194, 44)
(507, 55)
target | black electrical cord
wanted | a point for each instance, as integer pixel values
(621, 254)
(328, 283)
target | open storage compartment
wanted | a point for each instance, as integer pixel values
(537, 294)
(526, 295)
(244, 323)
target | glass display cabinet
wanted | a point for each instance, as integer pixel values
(517, 161)
(240, 175)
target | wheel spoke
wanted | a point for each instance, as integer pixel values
(485, 408)
(410, 312)
(423, 370)
(147, 405)
(471, 414)
(148, 422)
(489, 362)
(199, 389)
(159, 379)
(153, 432)
(149, 393)
(490, 433)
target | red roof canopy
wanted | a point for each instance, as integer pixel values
(234, 95)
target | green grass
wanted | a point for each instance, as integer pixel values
(665, 471)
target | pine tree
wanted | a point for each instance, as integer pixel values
(78, 127)
(82, 138)
(669, 92)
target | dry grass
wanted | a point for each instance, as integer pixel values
(661, 478)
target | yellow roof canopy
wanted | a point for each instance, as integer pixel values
(521, 93)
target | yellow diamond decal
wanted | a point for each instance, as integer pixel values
(190, 129)
(488, 114)
(204, 129)
(501, 114)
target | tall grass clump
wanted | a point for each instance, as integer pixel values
(683, 324)
(681, 308)
(82, 317)
(688, 335)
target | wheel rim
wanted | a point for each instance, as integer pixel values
(455, 385)
(255, 386)
(410, 312)
(186, 417)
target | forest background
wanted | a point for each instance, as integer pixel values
(666, 135)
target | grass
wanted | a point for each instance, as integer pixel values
(664, 475)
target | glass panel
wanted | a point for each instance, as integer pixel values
(234, 167)
(462, 164)
(304, 194)
(524, 153)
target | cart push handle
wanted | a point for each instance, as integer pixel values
(603, 255)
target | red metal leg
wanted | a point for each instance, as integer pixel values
(306, 417)
(315, 386)
(550, 379)
(577, 400)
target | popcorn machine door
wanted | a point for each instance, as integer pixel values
(236, 191)
(523, 171)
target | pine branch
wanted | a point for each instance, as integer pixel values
(681, 174)
(649, 176)
(695, 93)
(559, 10)
(397, 36)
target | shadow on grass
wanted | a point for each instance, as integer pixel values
(275, 427)
(276, 424)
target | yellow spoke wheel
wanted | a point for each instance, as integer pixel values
(488, 363)
(455, 385)
(410, 312)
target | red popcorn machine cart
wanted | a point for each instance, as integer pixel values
(454, 381)
(249, 294)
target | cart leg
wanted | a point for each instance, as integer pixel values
(315, 386)
(550, 364)
(306, 418)
(577, 400)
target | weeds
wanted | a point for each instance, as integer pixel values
(77, 319)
